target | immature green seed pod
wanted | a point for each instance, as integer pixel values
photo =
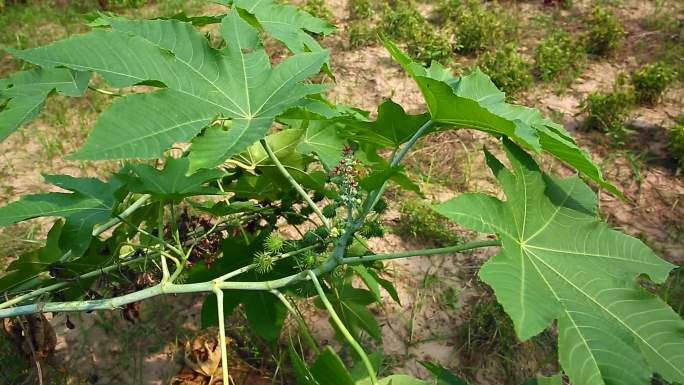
(330, 211)
(309, 238)
(263, 262)
(372, 229)
(322, 231)
(274, 243)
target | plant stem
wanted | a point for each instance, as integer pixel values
(300, 321)
(294, 183)
(249, 267)
(171, 288)
(374, 197)
(60, 285)
(222, 334)
(423, 252)
(343, 329)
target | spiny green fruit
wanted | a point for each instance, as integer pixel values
(274, 243)
(263, 262)
(309, 238)
(322, 232)
(330, 210)
(380, 206)
(317, 197)
(372, 229)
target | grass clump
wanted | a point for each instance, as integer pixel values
(676, 140)
(609, 111)
(402, 22)
(558, 56)
(651, 81)
(507, 68)
(361, 9)
(361, 31)
(422, 223)
(361, 34)
(605, 32)
(319, 9)
(477, 28)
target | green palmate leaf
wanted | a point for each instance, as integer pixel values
(202, 83)
(559, 262)
(443, 375)
(553, 380)
(321, 138)
(329, 369)
(288, 24)
(392, 128)
(90, 203)
(473, 101)
(31, 264)
(25, 92)
(282, 144)
(172, 182)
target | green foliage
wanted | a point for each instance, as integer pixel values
(403, 22)
(361, 34)
(319, 9)
(559, 56)
(460, 102)
(558, 262)
(608, 111)
(477, 28)
(651, 81)
(361, 9)
(507, 68)
(675, 138)
(422, 223)
(264, 141)
(605, 32)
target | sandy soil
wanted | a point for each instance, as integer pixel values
(105, 349)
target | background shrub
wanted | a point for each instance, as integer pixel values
(557, 55)
(507, 68)
(401, 20)
(651, 81)
(361, 34)
(676, 140)
(361, 9)
(608, 112)
(422, 223)
(424, 42)
(319, 9)
(477, 28)
(605, 32)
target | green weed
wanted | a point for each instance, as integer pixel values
(651, 81)
(361, 34)
(559, 56)
(609, 111)
(477, 28)
(402, 22)
(605, 32)
(507, 68)
(318, 8)
(361, 9)
(422, 223)
(675, 138)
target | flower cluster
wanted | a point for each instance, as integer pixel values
(345, 175)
